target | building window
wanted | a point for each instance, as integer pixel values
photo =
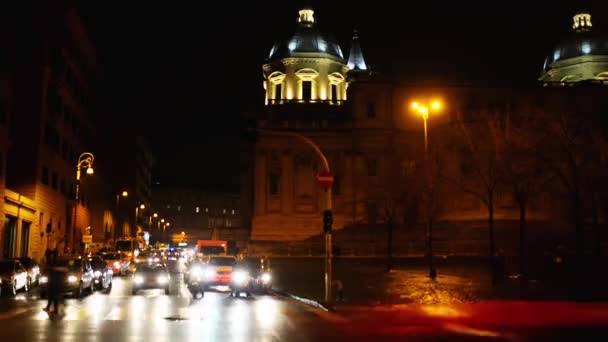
(206, 210)
(334, 92)
(372, 167)
(306, 90)
(371, 109)
(168, 206)
(223, 211)
(179, 208)
(278, 91)
(54, 182)
(198, 210)
(274, 184)
(233, 212)
(45, 175)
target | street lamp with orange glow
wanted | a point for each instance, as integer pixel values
(137, 208)
(423, 109)
(84, 160)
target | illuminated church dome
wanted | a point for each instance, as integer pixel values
(307, 40)
(306, 68)
(582, 56)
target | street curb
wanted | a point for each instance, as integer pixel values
(303, 300)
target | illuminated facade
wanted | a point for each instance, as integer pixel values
(306, 68)
(374, 144)
(582, 56)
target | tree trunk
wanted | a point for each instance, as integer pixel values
(492, 249)
(429, 247)
(389, 247)
(523, 248)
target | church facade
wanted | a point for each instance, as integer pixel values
(374, 142)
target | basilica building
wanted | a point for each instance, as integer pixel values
(381, 136)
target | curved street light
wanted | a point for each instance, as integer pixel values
(85, 160)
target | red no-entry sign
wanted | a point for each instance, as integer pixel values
(326, 179)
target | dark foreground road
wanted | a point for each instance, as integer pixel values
(154, 316)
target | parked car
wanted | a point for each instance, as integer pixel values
(33, 270)
(13, 276)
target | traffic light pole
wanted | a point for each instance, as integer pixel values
(328, 250)
(328, 244)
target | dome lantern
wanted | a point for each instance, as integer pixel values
(582, 22)
(306, 16)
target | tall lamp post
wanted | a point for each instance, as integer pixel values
(125, 194)
(85, 160)
(423, 110)
(327, 214)
(137, 208)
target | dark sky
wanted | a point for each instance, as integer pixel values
(184, 71)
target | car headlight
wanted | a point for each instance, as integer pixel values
(44, 280)
(196, 271)
(72, 279)
(266, 278)
(209, 273)
(116, 264)
(162, 279)
(138, 279)
(97, 274)
(240, 277)
(156, 259)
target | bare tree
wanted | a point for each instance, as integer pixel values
(396, 201)
(573, 148)
(482, 152)
(522, 170)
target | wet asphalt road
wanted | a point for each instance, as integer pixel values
(153, 316)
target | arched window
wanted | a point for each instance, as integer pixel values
(307, 84)
(275, 89)
(336, 81)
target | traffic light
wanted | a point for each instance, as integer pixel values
(327, 221)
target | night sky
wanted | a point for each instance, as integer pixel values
(184, 72)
